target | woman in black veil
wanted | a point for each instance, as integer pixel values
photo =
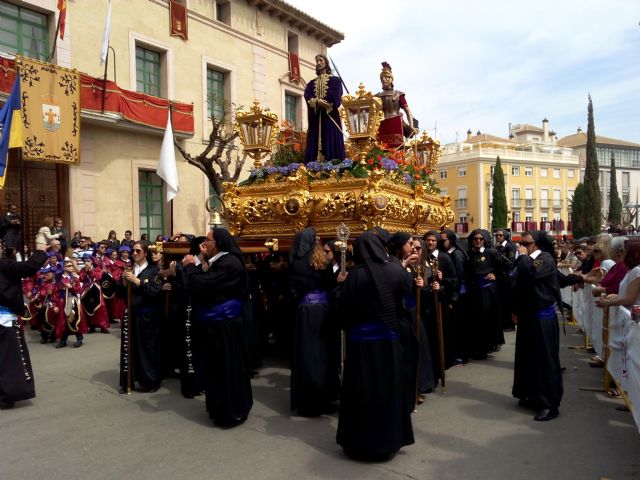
(374, 421)
(315, 365)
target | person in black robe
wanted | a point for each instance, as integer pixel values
(16, 373)
(219, 288)
(374, 421)
(506, 276)
(11, 228)
(144, 320)
(457, 250)
(537, 379)
(316, 348)
(443, 281)
(425, 375)
(415, 346)
(484, 320)
(191, 370)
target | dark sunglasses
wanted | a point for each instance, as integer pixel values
(417, 248)
(499, 235)
(137, 250)
(478, 238)
(327, 251)
(526, 244)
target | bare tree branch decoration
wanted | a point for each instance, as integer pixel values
(217, 159)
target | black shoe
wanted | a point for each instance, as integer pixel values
(92, 329)
(546, 414)
(77, 344)
(104, 330)
(61, 344)
(44, 341)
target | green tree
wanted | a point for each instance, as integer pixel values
(499, 210)
(578, 212)
(592, 194)
(615, 204)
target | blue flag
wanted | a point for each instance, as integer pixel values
(10, 128)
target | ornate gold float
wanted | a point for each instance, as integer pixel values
(363, 197)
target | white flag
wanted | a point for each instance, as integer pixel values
(167, 169)
(105, 37)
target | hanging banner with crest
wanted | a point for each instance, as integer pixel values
(50, 112)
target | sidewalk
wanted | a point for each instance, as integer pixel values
(79, 427)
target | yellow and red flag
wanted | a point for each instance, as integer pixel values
(62, 8)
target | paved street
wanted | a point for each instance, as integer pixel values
(79, 427)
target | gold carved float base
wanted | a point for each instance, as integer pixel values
(280, 209)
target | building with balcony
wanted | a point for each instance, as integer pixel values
(540, 177)
(627, 158)
(208, 54)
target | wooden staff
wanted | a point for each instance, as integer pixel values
(440, 330)
(420, 272)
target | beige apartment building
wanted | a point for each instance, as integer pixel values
(235, 52)
(540, 178)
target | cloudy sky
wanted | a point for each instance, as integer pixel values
(483, 64)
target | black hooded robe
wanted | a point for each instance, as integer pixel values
(374, 421)
(537, 371)
(219, 336)
(315, 380)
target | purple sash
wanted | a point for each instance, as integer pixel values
(315, 297)
(371, 331)
(223, 311)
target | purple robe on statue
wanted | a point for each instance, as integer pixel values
(332, 138)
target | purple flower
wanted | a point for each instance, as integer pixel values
(388, 164)
(271, 170)
(408, 178)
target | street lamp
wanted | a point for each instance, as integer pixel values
(362, 115)
(257, 132)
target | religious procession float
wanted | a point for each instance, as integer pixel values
(383, 175)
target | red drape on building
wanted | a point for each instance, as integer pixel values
(178, 20)
(294, 67)
(133, 106)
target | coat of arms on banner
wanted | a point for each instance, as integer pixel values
(50, 113)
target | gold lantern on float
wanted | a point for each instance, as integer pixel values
(362, 115)
(215, 218)
(427, 150)
(257, 130)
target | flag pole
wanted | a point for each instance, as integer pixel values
(170, 113)
(55, 39)
(105, 52)
(22, 189)
(104, 79)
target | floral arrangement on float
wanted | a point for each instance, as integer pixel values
(396, 165)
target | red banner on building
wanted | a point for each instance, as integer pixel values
(294, 67)
(178, 20)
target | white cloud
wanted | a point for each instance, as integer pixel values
(481, 65)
